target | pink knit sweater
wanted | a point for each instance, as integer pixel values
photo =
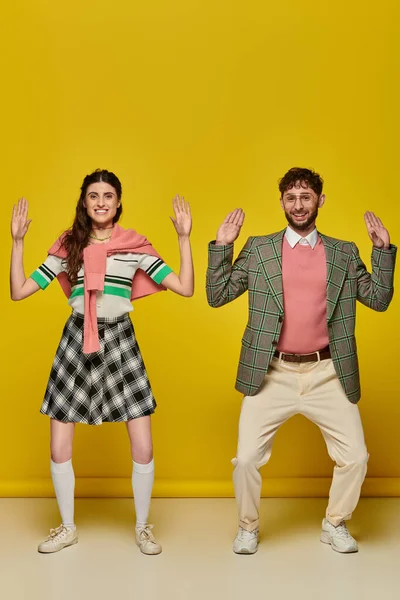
(304, 274)
(94, 266)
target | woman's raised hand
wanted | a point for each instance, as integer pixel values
(20, 222)
(183, 219)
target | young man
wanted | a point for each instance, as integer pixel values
(298, 350)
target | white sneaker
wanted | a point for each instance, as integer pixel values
(246, 542)
(58, 539)
(338, 537)
(145, 540)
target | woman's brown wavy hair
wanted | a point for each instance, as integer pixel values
(77, 237)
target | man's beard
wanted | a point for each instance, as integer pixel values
(304, 224)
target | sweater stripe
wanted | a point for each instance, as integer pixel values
(40, 280)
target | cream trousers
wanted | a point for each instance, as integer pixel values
(312, 390)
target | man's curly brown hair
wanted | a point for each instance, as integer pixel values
(297, 177)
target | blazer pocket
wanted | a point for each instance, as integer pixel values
(247, 339)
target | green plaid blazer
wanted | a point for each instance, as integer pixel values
(258, 269)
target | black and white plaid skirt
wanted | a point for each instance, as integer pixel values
(109, 385)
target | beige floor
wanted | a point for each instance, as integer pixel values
(197, 562)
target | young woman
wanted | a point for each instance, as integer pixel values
(98, 373)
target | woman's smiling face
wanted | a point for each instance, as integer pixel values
(101, 202)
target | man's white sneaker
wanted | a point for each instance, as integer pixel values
(146, 541)
(338, 537)
(246, 542)
(58, 539)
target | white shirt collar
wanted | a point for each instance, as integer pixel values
(294, 238)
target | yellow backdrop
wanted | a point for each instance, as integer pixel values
(215, 100)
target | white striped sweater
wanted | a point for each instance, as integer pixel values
(115, 300)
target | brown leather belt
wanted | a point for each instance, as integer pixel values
(301, 358)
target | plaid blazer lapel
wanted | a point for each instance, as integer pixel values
(337, 267)
(269, 257)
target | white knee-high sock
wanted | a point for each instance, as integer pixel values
(142, 484)
(64, 485)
